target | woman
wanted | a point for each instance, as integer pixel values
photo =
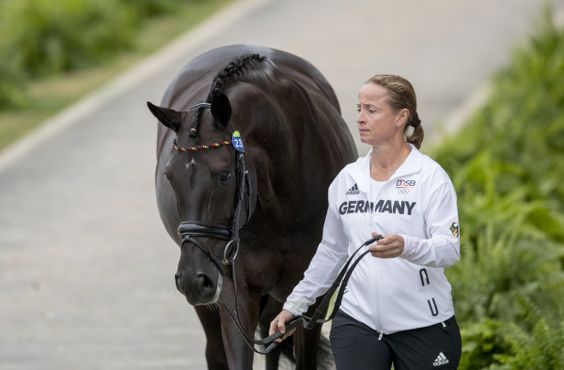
(397, 307)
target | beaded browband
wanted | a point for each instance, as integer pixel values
(201, 147)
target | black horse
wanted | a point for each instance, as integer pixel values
(250, 140)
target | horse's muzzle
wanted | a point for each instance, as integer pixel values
(199, 289)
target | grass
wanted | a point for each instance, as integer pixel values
(51, 95)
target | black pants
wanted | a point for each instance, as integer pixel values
(357, 347)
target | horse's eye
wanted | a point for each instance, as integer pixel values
(224, 176)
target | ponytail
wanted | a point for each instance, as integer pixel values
(416, 136)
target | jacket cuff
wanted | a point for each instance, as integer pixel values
(296, 307)
(407, 246)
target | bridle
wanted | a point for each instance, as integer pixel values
(191, 231)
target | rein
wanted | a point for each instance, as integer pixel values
(329, 305)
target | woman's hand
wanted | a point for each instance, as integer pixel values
(388, 247)
(279, 325)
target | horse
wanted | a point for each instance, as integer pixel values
(248, 142)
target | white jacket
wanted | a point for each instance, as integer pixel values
(388, 294)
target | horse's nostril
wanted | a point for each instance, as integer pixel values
(204, 281)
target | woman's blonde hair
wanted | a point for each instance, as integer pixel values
(401, 94)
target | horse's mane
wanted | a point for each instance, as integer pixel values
(235, 68)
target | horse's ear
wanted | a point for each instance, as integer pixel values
(221, 108)
(168, 117)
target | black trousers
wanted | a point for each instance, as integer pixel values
(358, 347)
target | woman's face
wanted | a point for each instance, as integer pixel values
(377, 122)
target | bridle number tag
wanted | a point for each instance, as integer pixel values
(237, 142)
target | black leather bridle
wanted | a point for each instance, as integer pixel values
(190, 231)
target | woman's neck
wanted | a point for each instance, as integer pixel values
(386, 159)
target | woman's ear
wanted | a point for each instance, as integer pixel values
(402, 117)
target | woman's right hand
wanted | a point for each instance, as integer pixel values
(279, 325)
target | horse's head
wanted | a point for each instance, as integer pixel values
(207, 171)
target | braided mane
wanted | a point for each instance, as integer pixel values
(235, 68)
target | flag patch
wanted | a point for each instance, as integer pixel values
(454, 229)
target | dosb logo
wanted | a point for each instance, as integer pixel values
(404, 186)
(405, 183)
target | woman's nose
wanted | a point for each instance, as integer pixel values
(360, 117)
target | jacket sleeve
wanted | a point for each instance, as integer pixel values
(324, 266)
(442, 247)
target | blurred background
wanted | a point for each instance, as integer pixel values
(86, 268)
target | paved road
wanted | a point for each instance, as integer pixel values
(86, 267)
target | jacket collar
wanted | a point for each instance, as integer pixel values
(360, 170)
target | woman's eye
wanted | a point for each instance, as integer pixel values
(224, 176)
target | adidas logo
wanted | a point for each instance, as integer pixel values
(440, 360)
(353, 190)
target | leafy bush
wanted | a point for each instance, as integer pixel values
(12, 84)
(150, 8)
(43, 37)
(536, 345)
(507, 166)
(48, 37)
(482, 342)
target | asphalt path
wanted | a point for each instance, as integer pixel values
(86, 268)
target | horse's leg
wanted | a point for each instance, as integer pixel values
(215, 353)
(245, 307)
(306, 344)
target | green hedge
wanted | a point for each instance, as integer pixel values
(45, 37)
(508, 168)
(149, 8)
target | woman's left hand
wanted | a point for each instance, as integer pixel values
(388, 247)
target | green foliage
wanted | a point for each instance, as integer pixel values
(536, 344)
(150, 8)
(49, 37)
(483, 341)
(44, 37)
(12, 84)
(507, 166)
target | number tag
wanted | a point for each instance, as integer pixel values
(237, 142)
